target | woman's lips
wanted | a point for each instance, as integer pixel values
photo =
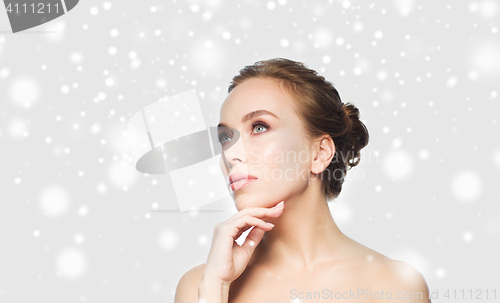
(241, 183)
(240, 179)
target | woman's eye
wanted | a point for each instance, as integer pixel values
(222, 139)
(259, 127)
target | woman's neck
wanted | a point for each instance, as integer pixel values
(305, 234)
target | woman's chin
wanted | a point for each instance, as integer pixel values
(245, 201)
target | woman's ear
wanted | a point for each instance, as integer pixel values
(323, 152)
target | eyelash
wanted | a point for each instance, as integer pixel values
(259, 123)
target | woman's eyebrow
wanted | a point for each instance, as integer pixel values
(253, 114)
(257, 113)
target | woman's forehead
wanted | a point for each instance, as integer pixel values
(255, 94)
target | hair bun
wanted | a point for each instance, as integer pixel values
(358, 134)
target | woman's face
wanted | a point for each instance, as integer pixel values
(272, 145)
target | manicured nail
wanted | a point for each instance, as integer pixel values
(272, 225)
(281, 204)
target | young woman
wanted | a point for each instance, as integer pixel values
(296, 142)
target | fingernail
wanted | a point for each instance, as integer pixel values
(281, 204)
(272, 225)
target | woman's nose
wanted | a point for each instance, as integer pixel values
(235, 153)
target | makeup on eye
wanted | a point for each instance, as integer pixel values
(223, 135)
(259, 123)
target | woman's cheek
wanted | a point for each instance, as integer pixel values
(273, 158)
(281, 161)
(295, 163)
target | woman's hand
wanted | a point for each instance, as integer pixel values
(226, 259)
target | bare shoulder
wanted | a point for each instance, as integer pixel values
(383, 275)
(358, 251)
(398, 279)
(187, 288)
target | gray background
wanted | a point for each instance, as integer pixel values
(79, 224)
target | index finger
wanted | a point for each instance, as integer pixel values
(261, 212)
